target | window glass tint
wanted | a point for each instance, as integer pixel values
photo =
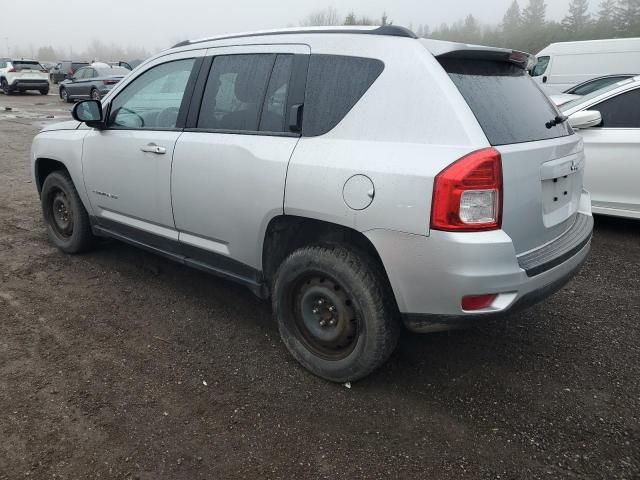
(235, 92)
(507, 103)
(153, 99)
(594, 85)
(77, 65)
(335, 84)
(541, 66)
(275, 102)
(80, 74)
(621, 111)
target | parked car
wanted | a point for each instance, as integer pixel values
(588, 87)
(48, 66)
(19, 75)
(65, 69)
(563, 98)
(360, 178)
(91, 82)
(121, 64)
(562, 66)
(609, 122)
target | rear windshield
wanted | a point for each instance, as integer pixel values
(23, 65)
(507, 103)
(77, 65)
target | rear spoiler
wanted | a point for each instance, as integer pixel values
(441, 49)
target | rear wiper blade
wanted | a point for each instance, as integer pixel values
(557, 121)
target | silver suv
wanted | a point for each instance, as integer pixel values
(360, 178)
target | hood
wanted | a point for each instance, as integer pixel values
(68, 125)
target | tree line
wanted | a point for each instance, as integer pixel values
(524, 26)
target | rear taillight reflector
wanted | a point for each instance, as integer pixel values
(472, 303)
(467, 195)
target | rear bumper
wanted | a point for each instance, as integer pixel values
(431, 275)
(29, 84)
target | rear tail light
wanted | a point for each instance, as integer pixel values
(110, 82)
(472, 303)
(467, 195)
(12, 70)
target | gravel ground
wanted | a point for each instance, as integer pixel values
(118, 364)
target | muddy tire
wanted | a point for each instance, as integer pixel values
(335, 312)
(67, 220)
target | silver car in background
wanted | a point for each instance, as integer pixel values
(361, 178)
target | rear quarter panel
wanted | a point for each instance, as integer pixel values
(406, 128)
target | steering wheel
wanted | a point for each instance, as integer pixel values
(133, 113)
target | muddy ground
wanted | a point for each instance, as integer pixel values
(118, 364)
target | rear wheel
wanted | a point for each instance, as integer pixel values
(95, 94)
(44, 91)
(5, 87)
(67, 220)
(334, 312)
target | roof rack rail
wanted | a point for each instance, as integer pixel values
(385, 30)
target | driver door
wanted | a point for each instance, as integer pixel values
(127, 165)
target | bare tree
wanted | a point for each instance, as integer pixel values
(320, 18)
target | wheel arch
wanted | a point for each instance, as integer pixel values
(286, 233)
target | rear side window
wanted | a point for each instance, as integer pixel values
(507, 103)
(621, 111)
(335, 84)
(235, 92)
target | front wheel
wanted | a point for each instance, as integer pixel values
(67, 221)
(335, 312)
(64, 95)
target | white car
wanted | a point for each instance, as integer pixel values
(23, 75)
(609, 121)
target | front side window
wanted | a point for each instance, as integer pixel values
(235, 92)
(152, 100)
(621, 111)
(541, 66)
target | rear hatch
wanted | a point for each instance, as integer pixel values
(542, 160)
(29, 70)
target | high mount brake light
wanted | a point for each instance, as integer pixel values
(467, 195)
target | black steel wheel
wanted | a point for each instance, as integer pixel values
(335, 311)
(64, 214)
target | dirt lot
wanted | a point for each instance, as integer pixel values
(118, 364)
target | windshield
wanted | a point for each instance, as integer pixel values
(597, 93)
(117, 71)
(24, 65)
(540, 67)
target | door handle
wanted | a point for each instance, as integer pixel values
(153, 148)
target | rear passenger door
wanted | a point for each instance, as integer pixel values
(230, 164)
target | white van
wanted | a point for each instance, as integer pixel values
(563, 65)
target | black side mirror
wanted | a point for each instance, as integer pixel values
(89, 112)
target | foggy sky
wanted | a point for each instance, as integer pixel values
(158, 24)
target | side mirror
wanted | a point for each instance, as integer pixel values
(585, 119)
(89, 112)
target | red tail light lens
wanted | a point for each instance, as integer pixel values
(467, 195)
(12, 70)
(110, 82)
(478, 302)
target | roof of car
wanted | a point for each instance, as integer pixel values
(385, 30)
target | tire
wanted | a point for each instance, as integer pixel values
(44, 91)
(64, 96)
(347, 291)
(5, 87)
(95, 94)
(66, 218)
